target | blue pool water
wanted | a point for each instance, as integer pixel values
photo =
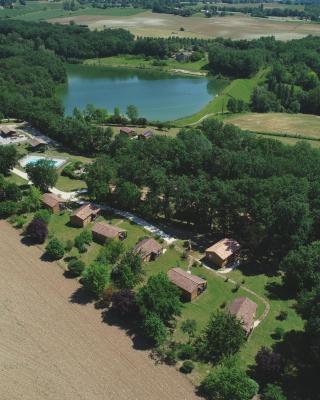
(32, 159)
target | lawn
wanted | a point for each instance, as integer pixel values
(241, 89)
(128, 61)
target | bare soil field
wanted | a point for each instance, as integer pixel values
(55, 346)
(295, 124)
(163, 25)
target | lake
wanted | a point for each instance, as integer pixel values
(158, 96)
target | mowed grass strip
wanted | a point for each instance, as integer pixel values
(241, 89)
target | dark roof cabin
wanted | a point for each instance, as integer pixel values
(146, 134)
(38, 143)
(101, 232)
(190, 285)
(148, 249)
(244, 309)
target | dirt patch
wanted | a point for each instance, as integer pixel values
(162, 25)
(54, 346)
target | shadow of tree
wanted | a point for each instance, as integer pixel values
(277, 291)
(81, 296)
(130, 326)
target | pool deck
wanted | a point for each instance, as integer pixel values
(58, 162)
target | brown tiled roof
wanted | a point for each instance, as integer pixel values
(146, 247)
(244, 309)
(6, 130)
(50, 199)
(126, 129)
(37, 141)
(224, 248)
(185, 281)
(86, 211)
(107, 230)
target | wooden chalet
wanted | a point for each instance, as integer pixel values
(223, 252)
(244, 309)
(148, 249)
(127, 131)
(190, 285)
(84, 215)
(101, 232)
(52, 202)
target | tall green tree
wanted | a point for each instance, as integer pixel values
(43, 174)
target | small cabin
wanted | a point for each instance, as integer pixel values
(84, 215)
(52, 202)
(244, 310)
(102, 232)
(128, 131)
(223, 252)
(146, 135)
(190, 285)
(148, 249)
(7, 131)
(38, 144)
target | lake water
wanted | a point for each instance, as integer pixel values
(158, 96)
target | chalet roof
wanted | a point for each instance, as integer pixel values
(7, 130)
(244, 309)
(36, 142)
(224, 248)
(50, 200)
(147, 246)
(107, 230)
(147, 134)
(184, 280)
(86, 211)
(126, 129)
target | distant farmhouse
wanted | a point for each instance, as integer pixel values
(127, 131)
(84, 215)
(148, 249)
(52, 202)
(102, 232)
(244, 310)
(190, 285)
(146, 134)
(183, 56)
(223, 252)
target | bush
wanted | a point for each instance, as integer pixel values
(123, 302)
(96, 278)
(82, 240)
(43, 215)
(54, 249)
(69, 245)
(186, 351)
(283, 315)
(19, 221)
(273, 392)
(154, 329)
(278, 333)
(187, 367)
(76, 267)
(37, 231)
(8, 208)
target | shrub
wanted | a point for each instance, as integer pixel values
(19, 221)
(43, 215)
(69, 245)
(223, 304)
(283, 315)
(186, 351)
(8, 208)
(278, 333)
(82, 240)
(96, 278)
(154, 329)
(76, 267)
(37, 231)
(54, 249)
(273, 392)
(187, 367)
(106, 296)
(123, 302)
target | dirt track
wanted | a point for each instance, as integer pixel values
(54, 349)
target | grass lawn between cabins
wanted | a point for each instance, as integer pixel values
(241, 89)
(219, 294)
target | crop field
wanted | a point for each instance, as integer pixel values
(55, 344)
(162, 25)
(280, 123)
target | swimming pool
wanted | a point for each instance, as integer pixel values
(32, 159)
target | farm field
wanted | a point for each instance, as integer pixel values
(38, 11)
(294, 124)
(163, 25)
(58, 345)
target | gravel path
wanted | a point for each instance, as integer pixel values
(53, 348)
